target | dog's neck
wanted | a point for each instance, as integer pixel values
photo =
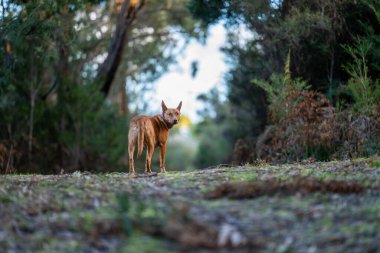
(168, 125)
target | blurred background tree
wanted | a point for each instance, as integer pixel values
(74, 72)
(64, 99)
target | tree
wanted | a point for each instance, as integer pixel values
(109, 67)
(58, 70)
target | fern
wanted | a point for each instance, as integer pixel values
(288, 73)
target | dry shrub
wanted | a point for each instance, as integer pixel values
(359, 136)
(312, 128)
(306, 124)
(308, 128)
(310, 120)
(276, 186)
(242, 153)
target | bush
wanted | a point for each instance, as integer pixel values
(307, 130)
(305, 124)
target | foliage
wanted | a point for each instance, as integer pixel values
(365, 91)
(66, 128)
(207, 11)
(306, 129)
(278, 90)
(311, 33)
(53, 115)
(311, 127)
(93, 139)
(312, 30)
(307, 125)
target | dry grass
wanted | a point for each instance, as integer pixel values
(276, 186)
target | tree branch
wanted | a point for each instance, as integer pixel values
(109, 67)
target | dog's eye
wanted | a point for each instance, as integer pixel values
(170, 114)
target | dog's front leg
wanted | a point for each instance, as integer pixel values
(162, 157)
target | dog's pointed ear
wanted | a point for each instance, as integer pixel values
(179, 106)
(164, 108)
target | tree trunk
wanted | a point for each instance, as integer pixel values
(122, 100)
(108, 69)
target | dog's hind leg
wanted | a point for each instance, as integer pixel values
(131, 149)
(149, 154)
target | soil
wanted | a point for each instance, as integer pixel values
(305, 207)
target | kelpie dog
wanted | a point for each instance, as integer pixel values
(151, 132)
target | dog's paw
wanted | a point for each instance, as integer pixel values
(146, 171)
(150, 174)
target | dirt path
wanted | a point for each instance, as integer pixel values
(316, 207)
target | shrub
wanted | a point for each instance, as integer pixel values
(307, 130)
(365, 92)
(278, 89)
(307, 125)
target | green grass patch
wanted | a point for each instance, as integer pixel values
(5, 199)
(375, 163)
(242, 177)
(141, 243)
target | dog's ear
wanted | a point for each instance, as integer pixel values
(179, 106)
(164, 108)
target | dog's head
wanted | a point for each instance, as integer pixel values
(171, 115)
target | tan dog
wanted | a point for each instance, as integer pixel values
(151, 132)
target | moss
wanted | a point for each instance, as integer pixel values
(306, 172)
(53, 245)
(141, 243)
(5, 199)
(326, 175)
(359, 228)
(242, 177)
(373, 210)
(375, 163)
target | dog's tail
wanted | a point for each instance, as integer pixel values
(140, 139)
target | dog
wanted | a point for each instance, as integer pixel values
(151, 132)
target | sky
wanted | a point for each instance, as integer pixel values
(178, 85)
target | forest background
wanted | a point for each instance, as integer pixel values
(303, 85)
